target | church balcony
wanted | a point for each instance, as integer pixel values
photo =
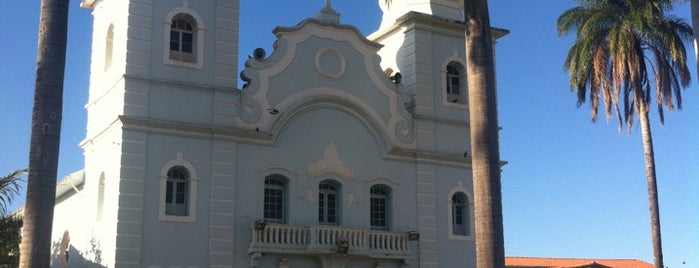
(329, 239)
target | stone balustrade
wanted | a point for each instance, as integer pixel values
(326, 239)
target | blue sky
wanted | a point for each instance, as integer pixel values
(571, 189)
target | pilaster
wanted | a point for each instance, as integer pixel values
(139, 37)
(129, 229)
(227, 32)
(427, 215)
(222, 206)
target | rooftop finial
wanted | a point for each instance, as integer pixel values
(328, 15)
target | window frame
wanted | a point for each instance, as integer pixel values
(190, 194)
(182, 27)
(453, 75)
(324, 211)
(190, 60)
(467, 213)
(109, 48)
(177, 191)
(454, 68)
(380, 216)
(459, 212)
(281, 205)
(101, 185)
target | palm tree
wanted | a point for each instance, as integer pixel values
(10, 225)
(619, 44)
(46, 133)
(485, 147)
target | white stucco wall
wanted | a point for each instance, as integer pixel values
(345, 120)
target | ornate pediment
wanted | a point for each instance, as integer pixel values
(322, 64)
(330, 163)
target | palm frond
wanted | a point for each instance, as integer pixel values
(9, 187)
(607, 63)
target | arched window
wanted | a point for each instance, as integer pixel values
(183, 30)
(177, 191)
(455, 83)
(183, 38)
(327, 202)
(100, 198)
(453, 80)
(109, 48)
(460, 214)
(275, 199)
(379, 203)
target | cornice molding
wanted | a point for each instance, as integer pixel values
(429, 158)
(441, 120)
(329, 26)
(417, 20)
(194, 130)
(179, 84)
(264, 138)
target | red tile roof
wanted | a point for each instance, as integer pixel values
(529, 262)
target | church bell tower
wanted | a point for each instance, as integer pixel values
(153, 61)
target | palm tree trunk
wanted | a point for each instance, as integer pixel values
(480, 68)
(46, 133)
(652, 185)
(694, 4)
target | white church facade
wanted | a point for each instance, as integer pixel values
(339, 151)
